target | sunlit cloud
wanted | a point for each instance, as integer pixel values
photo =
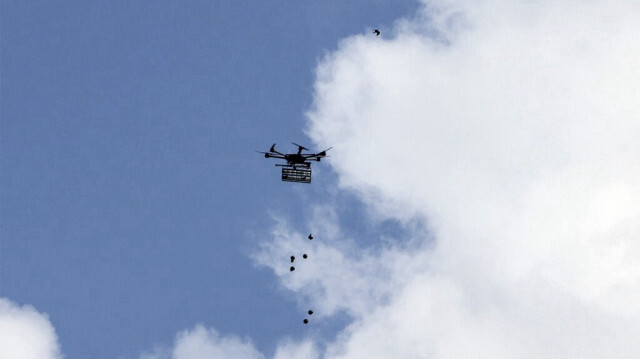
(26, 333)
(512, 131)
(201, 342)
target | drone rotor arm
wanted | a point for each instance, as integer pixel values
(273, 150)
(271, 155)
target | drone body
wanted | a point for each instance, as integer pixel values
(296, 159)
(298, 167)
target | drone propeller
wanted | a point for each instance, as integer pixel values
(300, 148)
(324, 153)
(273, 150)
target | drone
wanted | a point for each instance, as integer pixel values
(298, 166)
(298, 159)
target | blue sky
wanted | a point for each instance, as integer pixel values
(483, 187)
(131, 195)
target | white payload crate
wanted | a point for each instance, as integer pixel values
(296, 174)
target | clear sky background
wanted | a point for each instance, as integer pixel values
(481, 200)
(131, 192)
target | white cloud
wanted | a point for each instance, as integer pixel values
(206, 343)
(25, 333)
(513, 130)
(337, 276)
(290, 349)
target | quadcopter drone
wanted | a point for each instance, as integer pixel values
(295, 159)
(298, 167)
